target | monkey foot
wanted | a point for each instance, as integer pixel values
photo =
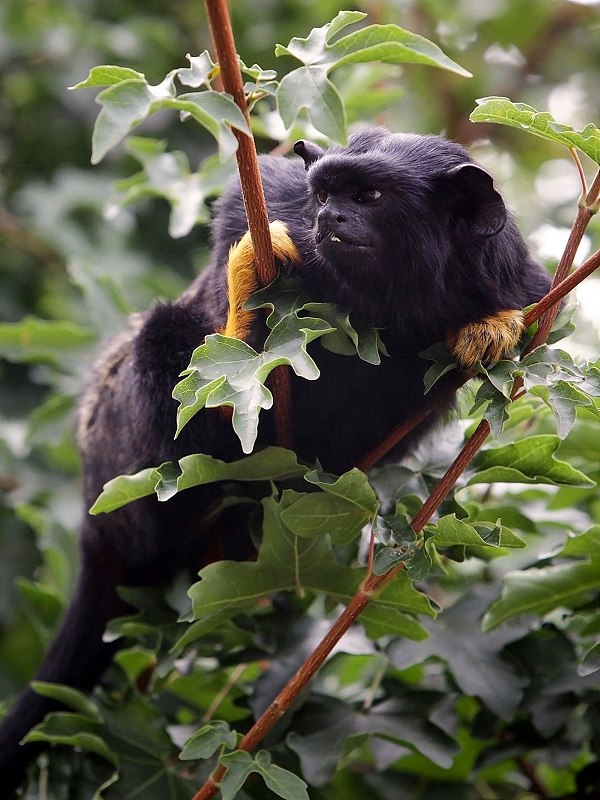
(488, 340)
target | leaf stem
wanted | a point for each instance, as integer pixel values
(576, 159)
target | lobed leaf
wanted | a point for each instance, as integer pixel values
(309, 87)
(529, 460)
(128, 101)
(272, 463)
(540, 123)
(287, 562)
(208, 740)
(227, 371)
(168, 175)
(280, 781)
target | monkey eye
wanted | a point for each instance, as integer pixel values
(367, 196)
(322, 196)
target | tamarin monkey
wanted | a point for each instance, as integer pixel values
(403, 232)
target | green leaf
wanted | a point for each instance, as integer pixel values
(316, 514)
(539, 591)
(227, 371)
(272, 463)
(287, 562)
(108, 75)
(201, 71)
(539, 123)
(287, 296)
(129, 102)
(348, 504)
(168, 175)
(529, 460)
(352, 486)
(451, 531)
(208, 740)
(239, 765)
(388, 43)
(70, 697)
(563, 398)
(309, 88)
(280, 781)
(74, 730)
(475, 659)
(443, 362)
(35, 339)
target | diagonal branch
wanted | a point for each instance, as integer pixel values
(374, 584)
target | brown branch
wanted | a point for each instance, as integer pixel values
(548, 304)
(374, 584)
(252, 192)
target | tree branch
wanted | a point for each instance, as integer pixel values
(374, 584)
(252, 192)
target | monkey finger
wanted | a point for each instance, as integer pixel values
(488, 340)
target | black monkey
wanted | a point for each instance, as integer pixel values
(405, 233)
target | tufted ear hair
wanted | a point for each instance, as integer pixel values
(482, 206)
(309, 152)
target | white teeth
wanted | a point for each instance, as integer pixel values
(334, 238)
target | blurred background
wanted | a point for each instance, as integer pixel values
(73, 255)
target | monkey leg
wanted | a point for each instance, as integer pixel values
(488, 340)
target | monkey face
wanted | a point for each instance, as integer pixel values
(344, 230)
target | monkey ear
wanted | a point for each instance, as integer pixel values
(309, 152)
(484, 208)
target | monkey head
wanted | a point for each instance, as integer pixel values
(398, 217)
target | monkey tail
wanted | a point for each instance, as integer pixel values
(77, 658)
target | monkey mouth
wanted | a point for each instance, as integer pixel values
(329, 241)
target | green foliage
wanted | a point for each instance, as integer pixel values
(542, 124)
(224, 371)
(413, 703)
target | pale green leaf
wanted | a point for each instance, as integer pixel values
(108, 75)
(280, 781)
(309, 88)
(539, 123)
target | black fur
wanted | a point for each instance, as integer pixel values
(434, 251)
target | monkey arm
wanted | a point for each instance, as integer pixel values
(488, 340)
(242, 279)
